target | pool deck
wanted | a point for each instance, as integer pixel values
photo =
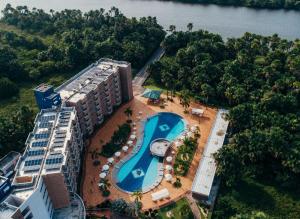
(90, 191)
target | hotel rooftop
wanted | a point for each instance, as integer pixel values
(46, 145)
(88, 79)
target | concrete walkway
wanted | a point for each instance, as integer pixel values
(142, 75)
(194, 206)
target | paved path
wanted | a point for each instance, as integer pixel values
(193, 205)
(142, 75)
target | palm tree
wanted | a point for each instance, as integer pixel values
(104, 184)
(185, 100)
(190, 26)
(137, 195)
(128, 112)
(172, 28)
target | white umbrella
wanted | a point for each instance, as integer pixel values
(102, 175)
(169, 159)
(168, 177)
(134, 133)
(132, 137)
(173, 152)
(169, 167)
(178, 144)
(125, 148)
(118, 154)
(194, 128)
(110, 160)
(134, 128)
(105, 167)
(129, 143)
(134, 124)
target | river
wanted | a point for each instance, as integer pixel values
(227, 21)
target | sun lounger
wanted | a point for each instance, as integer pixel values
(161, 194)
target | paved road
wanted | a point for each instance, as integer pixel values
(142, 75)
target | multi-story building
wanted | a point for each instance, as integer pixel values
(96, 90)
(8, 163)
(46, 174)
(46, 97)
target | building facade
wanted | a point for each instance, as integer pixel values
(47, 173)
(8, 163)
(46, 97)
(97, 90)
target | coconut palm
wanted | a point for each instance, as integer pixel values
(137, 195)
(104, 184)
(128, 112)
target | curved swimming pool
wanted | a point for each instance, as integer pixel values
(140, 172)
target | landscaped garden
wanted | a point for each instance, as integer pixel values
(119, 138)
(179, 209)
(185, 156)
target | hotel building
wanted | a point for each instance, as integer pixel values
(45, 182)
(96, 91)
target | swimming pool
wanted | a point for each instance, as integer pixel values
(140, 172)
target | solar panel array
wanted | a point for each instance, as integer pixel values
(32, 153)
(42, 135)
(47, 118)
(54, 161)
(33, 162)
(39, 144)
(45, 124)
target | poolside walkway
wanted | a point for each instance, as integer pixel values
(90, 191)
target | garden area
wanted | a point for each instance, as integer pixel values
(185, 156)
(179, 209)
(119, 138)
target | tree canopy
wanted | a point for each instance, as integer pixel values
(258, 79)
(59, 42)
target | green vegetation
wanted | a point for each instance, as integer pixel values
(37, 47)
(118, 139)
(35, 44)
(269, 4)
(251, 196)
(179, 209)
(185, 156)
(258, 79)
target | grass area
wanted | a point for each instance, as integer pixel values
(176, 209)
(252, 196)
(26, 96)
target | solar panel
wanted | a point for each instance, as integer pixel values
(45, 125)
(42, 135)
(39, 144)
(60, 135)
(47, 118)
(57, 145)
(60, 131)
(35, 152)
(54, 160)
(33, 162)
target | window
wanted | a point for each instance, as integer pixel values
(44, 194)
(30, 216)
(42, 187)
(25, 211)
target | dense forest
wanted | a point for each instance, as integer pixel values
(258, 79)
(268, 4)
(35, 44)
(66, 40)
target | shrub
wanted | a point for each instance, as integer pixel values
(119, 137)
(105, 193)
(104, 204)
(7, 88)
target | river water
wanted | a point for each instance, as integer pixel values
(227, 21)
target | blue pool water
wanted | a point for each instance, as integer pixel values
(141, 170)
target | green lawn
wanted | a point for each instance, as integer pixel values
(175, 208)
(26, 96)
(252, 196)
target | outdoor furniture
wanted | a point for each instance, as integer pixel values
(110, 160)
(169, 167)
(161, 194)
(152, 95)
(125, 148)
(130, 143)
(118, 154)
(132, 137)
(189, 134)
(169, 159)
(197, 111)
(168, 177)
(102, 175)
(140, 112)
(178, 144)
(105, 167)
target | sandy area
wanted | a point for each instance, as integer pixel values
(90, 191)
